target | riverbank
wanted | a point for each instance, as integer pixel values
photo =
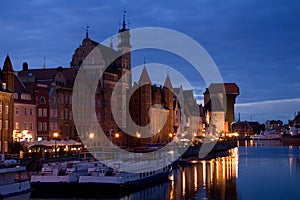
(218, 147)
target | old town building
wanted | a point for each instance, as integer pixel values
(6, 105)
(52, 91)
(219, 100)
(25, 127)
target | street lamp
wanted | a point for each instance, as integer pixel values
(91, 136)
(170, 136)
(138, 135)
(117, 135)
(55, 136)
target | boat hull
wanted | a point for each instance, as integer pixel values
(15, 191)
(95, 189)
(53, 189)
(92, 189)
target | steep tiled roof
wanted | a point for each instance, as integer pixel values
(297, 118)
(230, 88)
(144, 78)
(19, 86)
(7, 65)
(44, 75)
(168, 83)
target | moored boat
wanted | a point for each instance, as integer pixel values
(267, 135)
(13, 185)
(103, 180)
(58, 177)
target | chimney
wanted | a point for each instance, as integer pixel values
(25, 66)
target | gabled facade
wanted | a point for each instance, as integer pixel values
(153, 102)
(25, 126)
(52, 93)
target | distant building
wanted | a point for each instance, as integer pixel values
(296, 121)
(245, 128)
(274, 125)
(219, 101)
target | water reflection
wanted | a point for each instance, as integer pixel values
(254, 170)
(207, 179)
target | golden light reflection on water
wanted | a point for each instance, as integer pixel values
(212, 179)
(183, 183)
(195, 178)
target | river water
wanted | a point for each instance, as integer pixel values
(253, 170)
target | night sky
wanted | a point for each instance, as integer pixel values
(254, 43)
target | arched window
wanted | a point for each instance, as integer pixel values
(42, 100)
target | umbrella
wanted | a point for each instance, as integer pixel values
(73, 142)
(62, 143)
(35, 143)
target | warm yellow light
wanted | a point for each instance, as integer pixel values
(117, 135)
(170, 134)
(55, 134)
(138, 134)
(91, 135)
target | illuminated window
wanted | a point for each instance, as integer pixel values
(6, 125)
(17, 126)
(6, 109)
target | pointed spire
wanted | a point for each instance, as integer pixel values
(124, 23)
(123, 28)
(168, 83)
(111, 43)
(87, 32)
(7, 64)
(144, 78)
(44, 66)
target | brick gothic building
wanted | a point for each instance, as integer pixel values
(87, 59)
(155, 101)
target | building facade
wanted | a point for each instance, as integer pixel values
(219, 101)
(6, 106)
(25, 126)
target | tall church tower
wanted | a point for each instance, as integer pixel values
(8, 74)
(124, 48)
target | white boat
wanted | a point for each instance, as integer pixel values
(267, 135)
(102, 180)
(58, 177)
(13, 184)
